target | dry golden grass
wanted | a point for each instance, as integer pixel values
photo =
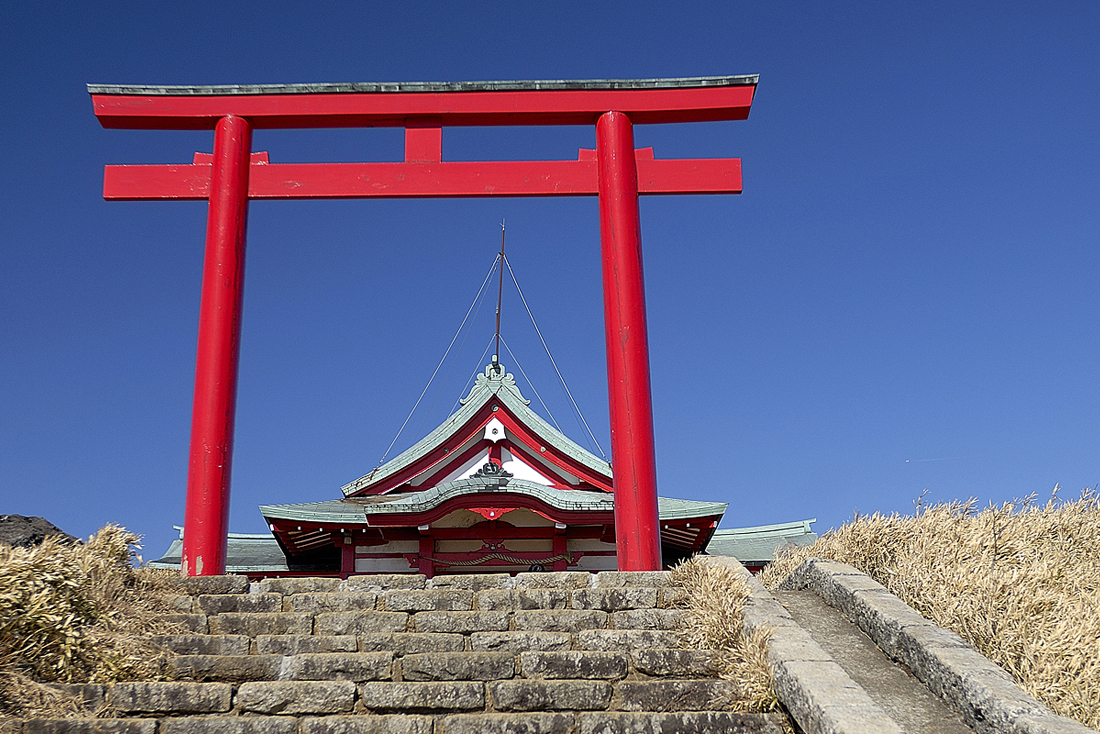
(1019, 582)
(716, 597)
(76, 614)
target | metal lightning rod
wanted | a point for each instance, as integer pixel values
(500, 293)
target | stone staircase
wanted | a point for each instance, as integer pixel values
(538, 653)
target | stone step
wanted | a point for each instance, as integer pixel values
(353, 666)
(447, 666)
(608, 591)
(405, 614)
(297, 644)
(700, 722)
(205, 644)
(574, 664)
(660, 647)
(336, 601)
(262, 623)
(411, 643)
(224, 603)
(444, 665)
(335, 684)
(653, 650)
(418, 600)
(521, 641)
(400, 610)
(621, 639)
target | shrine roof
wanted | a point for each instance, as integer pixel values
(356, 510)
(212, 90)
(758, 545)
(245, 553)
(492, 384)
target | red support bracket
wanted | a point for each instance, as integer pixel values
(424, 140)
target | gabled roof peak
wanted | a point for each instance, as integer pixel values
(493, 380)
(496, 387)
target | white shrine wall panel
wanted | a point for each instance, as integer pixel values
(394, 546)
(589, 545)
(596, 563)
(397, 564)
(474, 546)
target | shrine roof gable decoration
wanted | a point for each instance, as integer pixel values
(457, 447)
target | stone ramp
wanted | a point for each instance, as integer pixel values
(540, 653)
(901, 696)
(840, 623)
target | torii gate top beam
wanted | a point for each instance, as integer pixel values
(283, 106)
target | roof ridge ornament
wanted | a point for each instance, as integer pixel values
(493, 380)
(493, 475)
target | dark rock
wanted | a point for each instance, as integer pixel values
(25, 532)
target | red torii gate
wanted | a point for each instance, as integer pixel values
(614, 171)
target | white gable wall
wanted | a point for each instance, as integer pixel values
(522, 470)
(467, 469)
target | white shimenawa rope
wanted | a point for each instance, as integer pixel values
(436, 371)
(567, 392)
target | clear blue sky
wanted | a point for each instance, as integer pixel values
(904, 298)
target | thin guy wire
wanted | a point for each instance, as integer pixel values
(450, 367)
(472, 377)
(567, 392)
(544, 407)
(402, 428)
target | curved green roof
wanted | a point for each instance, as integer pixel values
(357, 510)
(758, 545)
(496, 384)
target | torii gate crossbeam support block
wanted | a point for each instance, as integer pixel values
(615, 172)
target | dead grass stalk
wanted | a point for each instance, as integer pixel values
(76, 614)
(715, 599)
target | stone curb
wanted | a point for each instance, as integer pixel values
(817, 692)
(981, 691)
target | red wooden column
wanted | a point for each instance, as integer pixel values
(206, 522)
(637, 528)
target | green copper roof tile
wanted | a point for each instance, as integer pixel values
(760, 544)
(358, 510)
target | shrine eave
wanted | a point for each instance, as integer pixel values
(261, 555)
(544, 85)
(373, 510)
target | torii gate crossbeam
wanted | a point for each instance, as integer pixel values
(615, 172)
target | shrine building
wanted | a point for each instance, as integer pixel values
(495, 488)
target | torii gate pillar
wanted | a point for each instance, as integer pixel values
(615, 171)
(637, 531)
(214, 410)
